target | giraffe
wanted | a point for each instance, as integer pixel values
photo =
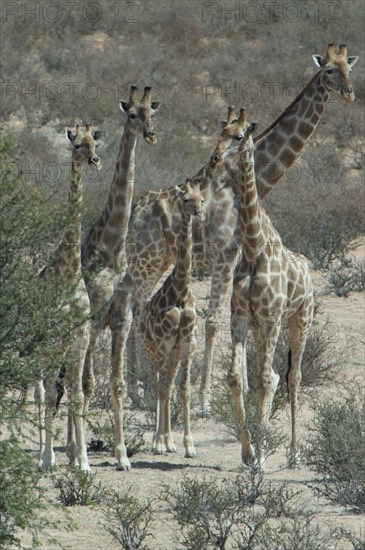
(271, 286)
(277, 148)
(153, 244)
(103, 251)
(167, 327)
(66, 264)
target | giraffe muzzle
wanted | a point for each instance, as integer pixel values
(150, 136)
(95, 161)
(199, 213)
(348, 93)
(214, 159)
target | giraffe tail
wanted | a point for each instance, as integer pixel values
(288, 372)
(60, 387)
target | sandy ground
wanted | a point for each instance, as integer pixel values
(218, 452)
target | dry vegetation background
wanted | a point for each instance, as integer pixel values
(72, 61)
(63, 64)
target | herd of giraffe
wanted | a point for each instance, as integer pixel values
(215, 218)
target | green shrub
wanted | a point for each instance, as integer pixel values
(127, 519)
(335, 450)
(34, 320)
(22, 498)
(348, 276)
(246, 513)
(78, 487)
(33, 326)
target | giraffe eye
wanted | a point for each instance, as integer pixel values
(77, 146)
(132, 115)
(329, 71)
(239, 137)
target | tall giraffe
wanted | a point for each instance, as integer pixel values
(103, 250)
(277, 148)
(167, 327)
(271, 286)
(66, 265)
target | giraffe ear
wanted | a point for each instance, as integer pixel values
(155, 105)
(96, 135)
(69, 135)
(318, 60)
(179, 190)
(252, 127)
(352, 60)
(123, 105)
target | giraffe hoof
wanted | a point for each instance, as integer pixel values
(124, 467)
(47, 463)
(160, 452)
(190, 454)
(123, 463)
(47, 468)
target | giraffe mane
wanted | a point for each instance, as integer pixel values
(287, 110)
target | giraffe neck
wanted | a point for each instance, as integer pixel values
(67, 258)
(252, 227)
(281, 143)
(181, 275)
(110, 231)
(117, 211)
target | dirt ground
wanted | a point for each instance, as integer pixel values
(218, 453)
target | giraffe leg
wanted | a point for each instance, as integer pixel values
(168, 360)
(50, 399)
(133, 367)
(88, 379)
(187, 351)
(157, 409)
(221, 280)
(117, 385)
(39, 399)
(239, 329)
(244, 369)
(76, 445)
(168, 370)
(170, 445)
(160, 446)
(266, 339)
(297, 340)
(139, 296)
(71, 447)
(160, 440)
(152, 359)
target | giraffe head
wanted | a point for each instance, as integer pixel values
(336, 67)
(140, 113)
(191, 199)
(236, 131)
(84, 144)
